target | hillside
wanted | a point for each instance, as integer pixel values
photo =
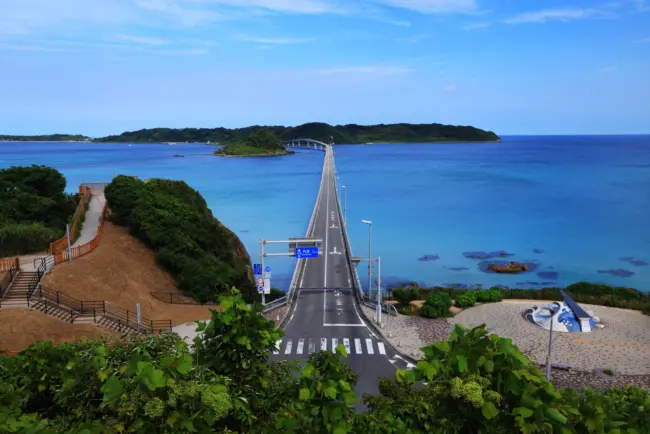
(261, 143)
(45, 138)
(342, 134)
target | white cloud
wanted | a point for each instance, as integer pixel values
(188, 52)
(185, 16)
(433, 6)
(418, 38)
(450, 88)
(641, 6)
(555, 14)
(26, 47)
(145, 40)
(476, 26)
(286, 6)
(366, 70)
(272, 40)
(643, 40)
(265, 47)
(610, 68)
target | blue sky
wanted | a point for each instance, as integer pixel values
(512, 66)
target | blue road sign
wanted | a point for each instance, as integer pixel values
(267, 269)
(306, 252)
(260, 289)
(257, 268)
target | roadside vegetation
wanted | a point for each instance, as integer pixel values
(439, 299)
(342, 134)
(204, 256)
(34, 209)
(262, 142)
(473, 383)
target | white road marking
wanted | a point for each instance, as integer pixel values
(277, 347)
(335, 343)
(357, 346)
(287, 349)
(382, 348)
(324, 305)
(327, 210)
(346, 344)
(369, 348)
(344, 325)
(312, 346)
(335, 252)
(301, 345)
(323, 344)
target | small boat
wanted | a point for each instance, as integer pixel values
(178, 155)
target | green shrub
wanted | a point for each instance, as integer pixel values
(274, 295)
(437, 305)
(405, 296)
(205, 257)
(22, 238)
(466, 300)
(488, 296)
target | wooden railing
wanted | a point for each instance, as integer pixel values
(81, 250)
(62, 243)
(9, 277)
(7, 264)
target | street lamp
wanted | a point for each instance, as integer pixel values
(345, 205)
(369, 223)
(378, 314)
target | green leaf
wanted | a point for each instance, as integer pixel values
(489, 410)
(184, 364)
(155, 379)
(442, 346)
(112, 389)
(330, 392)
(523, 412)
(307, 370)
(462, 363)
(489, 366)
(304, 394)
(555, 415)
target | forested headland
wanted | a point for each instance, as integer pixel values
(45, 138)
(341, 134)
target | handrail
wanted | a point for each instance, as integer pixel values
(83, 249)
(62, 243)
(9, 277)
(174, 298)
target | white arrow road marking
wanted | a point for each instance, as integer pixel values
(357, 346)
(346, 343)
(323, 344)
(382, 348)
(335, 252)
(408, 365)
(312, 345)
(335, 343)
(334, 227)
(277, 347)
(369, 348)
(287, 349)
(301, 345)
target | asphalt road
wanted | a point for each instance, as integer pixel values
(326, 313)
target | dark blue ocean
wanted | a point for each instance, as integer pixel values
(574, 207)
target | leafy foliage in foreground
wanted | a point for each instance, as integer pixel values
(34, 208)
(475, 383)
(204, 256)
(343, 134)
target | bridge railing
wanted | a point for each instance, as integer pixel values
(301, 263)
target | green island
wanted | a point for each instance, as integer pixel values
(261, 143)
(46, 138)
(342, 134)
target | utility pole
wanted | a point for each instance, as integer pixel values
(262, 263)
(378, 315)
(369, 223)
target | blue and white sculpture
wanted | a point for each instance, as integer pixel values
(564, 319)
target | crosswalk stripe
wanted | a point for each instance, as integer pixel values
(369, 347)
(357, 346)
(323, 344)
(335, 343)
(346, 343)
(312, 346)
(277, 346)
(287, 349)
(301, 345)
(382, 348)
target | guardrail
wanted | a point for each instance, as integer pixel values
(62, 243)
(12, 271)
(7, 264)
(83, 249)
(174, 298)
(300, 265)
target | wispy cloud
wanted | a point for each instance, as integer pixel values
(145, 40)
(555, 15)
(417, 38)
(366, 70)
(433, 6)
(27, 47)
(272, 40)
(451, 88)
(286, 6)
(642, 6)
(642, 41)
(185, 16)
(187, 52)
(476, 26)
(610, 68)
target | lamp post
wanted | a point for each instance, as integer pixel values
(378, 314)
(369, 223)
(553, 311)
(345, 205)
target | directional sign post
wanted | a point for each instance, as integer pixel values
(257, 269)
(306, 252)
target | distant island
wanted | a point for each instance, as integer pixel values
(261, 143)
(342, 134)
(46, 138)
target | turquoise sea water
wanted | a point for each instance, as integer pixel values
(573, 206)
